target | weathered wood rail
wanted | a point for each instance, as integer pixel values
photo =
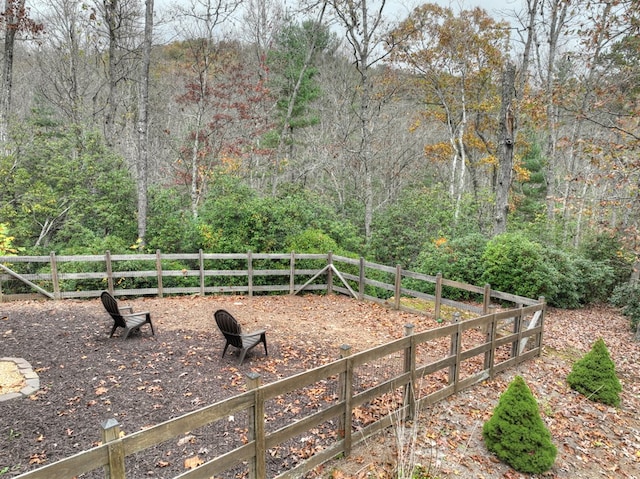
(62, 277)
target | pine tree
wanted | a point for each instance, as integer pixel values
(595, 376)
(516, 433)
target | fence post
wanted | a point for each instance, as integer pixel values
(201, 266)
(345, 385)
(489, 356)
(159, 271)
(410, 367)
(257, 466)
(111, 437)
(543, 300)
(250, 273)
(517, 329)
(292, 272)
(436, 311)
(330, 273)
(54, 276)
(454, 369)
(396, 287)
(361, 280)
(486, 298)
(109, 266)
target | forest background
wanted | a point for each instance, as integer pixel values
(494, 148)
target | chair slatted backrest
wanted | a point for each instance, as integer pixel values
(229, 327)
(111, 305)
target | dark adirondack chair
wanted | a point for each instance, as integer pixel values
(234, 337)
(124, 317)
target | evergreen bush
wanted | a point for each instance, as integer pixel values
(512, 262)
(627, 297)
(594, 376)
(516, 434)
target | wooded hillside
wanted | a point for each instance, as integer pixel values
(230, 125)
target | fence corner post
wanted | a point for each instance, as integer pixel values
(201, 271)
(111, 437)
(486, 298)
(397, 287)
(292, 272)
(490, 337)
(109, 268)
(456, 338)
(250, 273)
(438, 301)
(159, 272)
(361, 279)
(55, 279)
(330, 273)
(540, 344)
(257, 466)
(410, 367)
(345, 384)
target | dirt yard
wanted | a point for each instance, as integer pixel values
(87, 378)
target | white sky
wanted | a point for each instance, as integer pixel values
(495, 8)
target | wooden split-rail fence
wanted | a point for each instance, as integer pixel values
(357, 395)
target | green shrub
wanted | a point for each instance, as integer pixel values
(459, 259)
(516, 434)
(606, 249)
(595, 376)
(512, 263)
(627, 297)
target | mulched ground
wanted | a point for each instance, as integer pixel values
(88, 378)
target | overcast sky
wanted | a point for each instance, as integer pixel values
(494, 7)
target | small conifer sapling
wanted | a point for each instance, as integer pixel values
(516, 434)
(595, 376)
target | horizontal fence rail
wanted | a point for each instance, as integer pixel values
(356, 396)
(160, 274)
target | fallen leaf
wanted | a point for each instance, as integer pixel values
(193, 462)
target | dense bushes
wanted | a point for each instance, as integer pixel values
(627, 297)
(458, 260)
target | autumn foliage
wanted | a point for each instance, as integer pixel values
(516, 434)
(594, 376)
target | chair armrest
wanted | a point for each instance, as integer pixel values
(254, 333)
(135, 315)
(126, 308)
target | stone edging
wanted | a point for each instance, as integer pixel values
(30, 376)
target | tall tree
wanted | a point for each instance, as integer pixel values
(456, 61)
(365, 28)
(506, 141)
(293, 78)
(142, 162)
(200, 22)
(16, 21)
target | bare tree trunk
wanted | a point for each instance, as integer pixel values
(12, 12)
(362, 23)
(507, 132)
(559, 9)
(143, 124)
(111, 18)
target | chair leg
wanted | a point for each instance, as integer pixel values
(243, 352)
(150, 324)
(225, 349)
(113, 330)
(264, 341)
